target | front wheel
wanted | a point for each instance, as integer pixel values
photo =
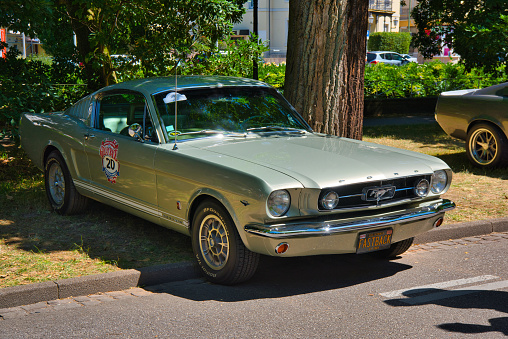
(486, 146)
(218, 249)
(60, 190)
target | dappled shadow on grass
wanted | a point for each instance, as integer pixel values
(28, 224)
(102, 232)
(432, 137)
(429, 135)
(458, 162)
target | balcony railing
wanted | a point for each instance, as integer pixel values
(380, 5)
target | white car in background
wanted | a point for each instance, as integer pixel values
(385, 57)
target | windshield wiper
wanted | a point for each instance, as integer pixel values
(276, 128)
(203, 131)
(211, 131)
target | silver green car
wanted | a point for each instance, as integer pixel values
(229, 162)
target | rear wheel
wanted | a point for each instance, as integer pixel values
(60, 189)
(395, 249)
(218, 248)
(487, 146)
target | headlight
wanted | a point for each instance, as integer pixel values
(439, 181)
(330, 200)
(278, 203)
(422, 188)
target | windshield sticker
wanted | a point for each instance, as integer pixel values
(174, 96)
(110, 164)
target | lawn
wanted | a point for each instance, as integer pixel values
(38, 245)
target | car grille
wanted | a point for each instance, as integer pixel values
(363, 194)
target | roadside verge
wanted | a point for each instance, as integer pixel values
(149, 276)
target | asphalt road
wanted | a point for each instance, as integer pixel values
(451, 289)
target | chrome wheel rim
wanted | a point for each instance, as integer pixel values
(483, 146)
(214, 242)
(56, 183)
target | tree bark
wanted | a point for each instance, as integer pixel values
(326, 64)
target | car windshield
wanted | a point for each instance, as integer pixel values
(232, 111)
(370, 57)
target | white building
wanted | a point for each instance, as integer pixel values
(273, 19)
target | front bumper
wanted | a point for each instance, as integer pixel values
(340, 236)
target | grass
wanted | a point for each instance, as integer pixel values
(38, 245)
(478, 193)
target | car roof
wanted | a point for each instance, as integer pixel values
(383, 52)
(150, 86)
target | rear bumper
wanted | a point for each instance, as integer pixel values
(340, 236)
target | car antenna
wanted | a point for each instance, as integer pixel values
(175, 146)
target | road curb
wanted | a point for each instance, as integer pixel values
(462, 230)
(96, 283)
(149, 276)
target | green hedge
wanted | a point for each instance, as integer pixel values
(411, 80)
(390, 41)
(429, 79)
(27, 85)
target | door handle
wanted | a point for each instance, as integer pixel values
(89, 136)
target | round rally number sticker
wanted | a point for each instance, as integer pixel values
(110, 164)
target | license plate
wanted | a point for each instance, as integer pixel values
(374, 241)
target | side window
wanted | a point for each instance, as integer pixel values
(118, 111)
(396, 57)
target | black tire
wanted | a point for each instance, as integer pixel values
(395, 249)
(218, 248)
(60, 190)
(487, 146)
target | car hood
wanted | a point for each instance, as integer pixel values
(324, 161)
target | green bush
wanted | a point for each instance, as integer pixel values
(390, 41)
(273, 74)
(26, 85)
(429, 79)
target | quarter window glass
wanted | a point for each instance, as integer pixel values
(120, 110)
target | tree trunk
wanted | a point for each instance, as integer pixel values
(326, 64)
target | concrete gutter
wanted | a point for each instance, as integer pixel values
(149, 276)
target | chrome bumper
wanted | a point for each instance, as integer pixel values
(309, 229)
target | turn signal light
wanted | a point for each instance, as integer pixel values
(282, 248)
(438, 222)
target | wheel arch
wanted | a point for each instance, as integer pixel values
(496, 124)
(213, 195)
(50, 148)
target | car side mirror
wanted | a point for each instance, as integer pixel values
(135, 131)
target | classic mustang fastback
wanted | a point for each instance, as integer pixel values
(229, 162)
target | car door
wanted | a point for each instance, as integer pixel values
(396, 58)
(122, 166)
(386, 58)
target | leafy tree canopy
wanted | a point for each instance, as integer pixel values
(156, 34)
(476, 29)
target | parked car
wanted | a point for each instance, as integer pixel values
(410, 58)
(229, 162)
(391, 58)
(478, 116)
